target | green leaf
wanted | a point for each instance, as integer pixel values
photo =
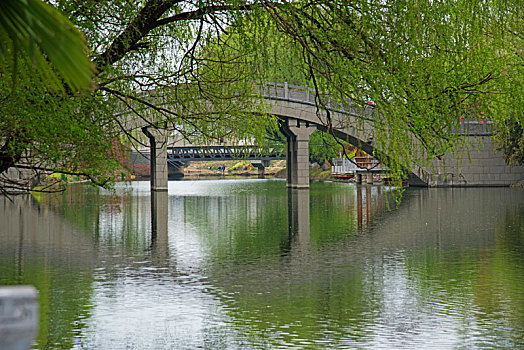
(39, 31)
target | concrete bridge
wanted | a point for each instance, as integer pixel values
(480, 165)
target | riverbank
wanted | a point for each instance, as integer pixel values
(231, 168)
(235, 169)
(276, 169)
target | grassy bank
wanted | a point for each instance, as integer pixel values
(319, 174)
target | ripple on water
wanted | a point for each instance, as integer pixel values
(443, 269)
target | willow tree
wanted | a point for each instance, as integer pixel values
(149, 72)
(41, 55)
(422, 63)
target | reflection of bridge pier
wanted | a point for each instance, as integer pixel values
(364, 206)
(298, 216)
(159, 214)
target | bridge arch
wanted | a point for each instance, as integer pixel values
(299, 111)
(480, 165)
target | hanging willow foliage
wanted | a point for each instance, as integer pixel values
(423, 65)
(189, 66)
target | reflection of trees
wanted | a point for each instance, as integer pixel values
(344, 210)
(54, 240)
(274, 284)
(115, 220)
(479, 269)
(223, 221)
(442, 249)
(64, 294)
(509, 237)
(238, 228)
(288, 305)
(77, 199)
(444, 242)
(41, 249)
(250, 225)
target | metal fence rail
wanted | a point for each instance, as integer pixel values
(191, 153)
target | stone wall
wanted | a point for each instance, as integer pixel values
(484, 166)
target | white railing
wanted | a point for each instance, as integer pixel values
(308, 96)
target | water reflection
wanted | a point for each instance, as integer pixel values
(298, 217)
(159, 222)
(39, 247)
(368, 205)
(235, 264)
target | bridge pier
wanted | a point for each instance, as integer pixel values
(175, 169)
(158, 155)
(369, 177)
(260, 165)
(297, 152)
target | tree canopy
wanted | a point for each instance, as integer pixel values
(190, 65)
(423, 64)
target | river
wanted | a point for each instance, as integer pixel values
(248, 264)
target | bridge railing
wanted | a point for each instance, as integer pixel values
(475, 127)
(193, 153)
(306, 95)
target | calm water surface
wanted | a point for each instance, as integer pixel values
(247, 264)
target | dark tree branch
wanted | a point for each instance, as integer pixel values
(201, 13)
(8, 157)
(143, 23)
(148, 19)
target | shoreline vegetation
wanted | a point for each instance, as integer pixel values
(57, 182)
(236, 169)
(215, 169)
